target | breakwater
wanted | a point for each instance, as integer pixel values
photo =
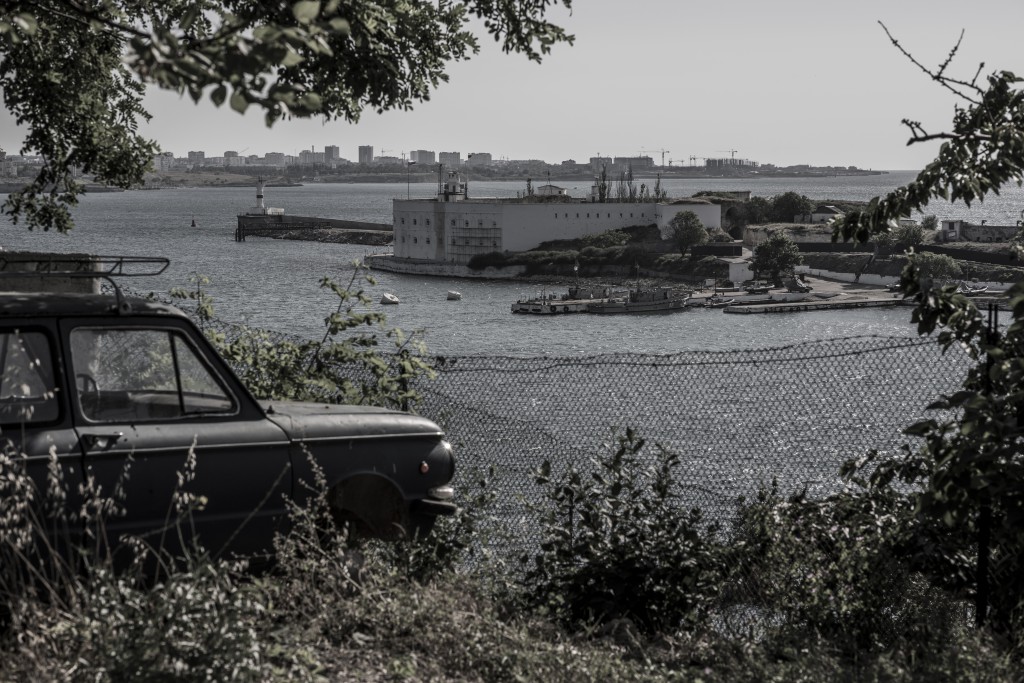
(280, 225)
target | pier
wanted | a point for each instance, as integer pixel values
(276, 225)
(265, 221)
(820, 305)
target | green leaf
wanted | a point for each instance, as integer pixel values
(306, 11)
(311, 102)
(219, 94)
(26, 22)
(239, 102)
(291, 58)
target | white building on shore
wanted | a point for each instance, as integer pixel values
(453, 228)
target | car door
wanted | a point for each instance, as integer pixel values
(168, 433)
(36, 430)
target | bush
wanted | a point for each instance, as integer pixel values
(838, 569)
(617, 546)
(342, 367)
(493, 259)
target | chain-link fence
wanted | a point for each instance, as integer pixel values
(738, 419)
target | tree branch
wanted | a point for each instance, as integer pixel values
(938, 75)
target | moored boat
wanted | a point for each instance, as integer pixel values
(576, 300)
(654, 300)
(756, 287)
(718, 301)
(968, 289)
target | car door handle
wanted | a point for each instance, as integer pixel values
(101, 441)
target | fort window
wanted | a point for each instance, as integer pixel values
(428, 240)
(428, 221)
(479, 224)
(467, 224)
(453, 222)
(414, 221)
(403, 221)
(414, 240)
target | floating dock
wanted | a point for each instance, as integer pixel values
(821, 305)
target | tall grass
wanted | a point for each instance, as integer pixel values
(817, 603)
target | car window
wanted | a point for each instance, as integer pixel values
(142, 374)
(27, 388)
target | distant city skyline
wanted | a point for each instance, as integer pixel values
(787, 83)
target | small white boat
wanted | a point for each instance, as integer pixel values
(968, 289)
(716, 301)
(389, 298)
(454, 296)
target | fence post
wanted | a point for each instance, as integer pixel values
(981, 598)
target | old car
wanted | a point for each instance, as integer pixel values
(120, 391)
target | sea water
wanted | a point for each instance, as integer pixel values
(274, 284)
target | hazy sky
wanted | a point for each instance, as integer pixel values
(783, 82)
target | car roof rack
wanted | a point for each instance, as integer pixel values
(84, 266)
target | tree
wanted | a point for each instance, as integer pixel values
(965, 482)
(776, 255)
(787, 206)
(74, 74)
(687, 230)
(930, 222)
(901, 238)
(939, 268)
(756, 210)
(603, 187)
(659, 194)
(908, 235)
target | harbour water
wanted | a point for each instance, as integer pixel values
(273, 284)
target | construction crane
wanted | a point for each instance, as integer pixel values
(730, 151)
(663, 152)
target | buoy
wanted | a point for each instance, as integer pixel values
(389, 298)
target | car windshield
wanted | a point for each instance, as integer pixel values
(27, 392)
